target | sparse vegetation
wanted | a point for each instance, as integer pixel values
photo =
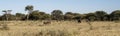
(4, 27)
(61, 28)
(98, 23)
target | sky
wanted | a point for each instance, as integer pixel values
(75, 6)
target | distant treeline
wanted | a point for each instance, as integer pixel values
(58, 15)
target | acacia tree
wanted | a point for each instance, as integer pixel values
(68, 16)
(100, 15)
(90, 16)
(77, 16)
(19, 16)
(115, 15)
(38, 15)
(57, 15)
(6, 15)
(7, 12)
(29, 8)
(72, 16)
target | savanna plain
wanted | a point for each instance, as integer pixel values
(61, 28)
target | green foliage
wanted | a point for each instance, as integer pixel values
(9, 16)
(36, 15)
(19, 16)
(106, 17)
(77, 16)
(68, 16)
(46, 16)
(90, 16)
(72, 16)
(115, 15)
(100, 15)
(57, 15)
(29, 8)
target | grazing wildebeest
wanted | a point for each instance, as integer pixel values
(79, 20)
(47, 22)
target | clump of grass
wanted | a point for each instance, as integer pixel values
(53, 33)
(90, 24)
(109, 27)
(4, 27)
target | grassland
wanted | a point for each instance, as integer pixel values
(60, 28)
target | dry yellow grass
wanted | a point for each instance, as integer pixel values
(61, 28)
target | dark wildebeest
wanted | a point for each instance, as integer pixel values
(79, 20)
(47, 22)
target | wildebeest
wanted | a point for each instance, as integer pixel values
(79, 20)
(46, 22)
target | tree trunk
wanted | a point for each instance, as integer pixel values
(27, 17)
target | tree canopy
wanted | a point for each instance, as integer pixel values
(59, 15)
